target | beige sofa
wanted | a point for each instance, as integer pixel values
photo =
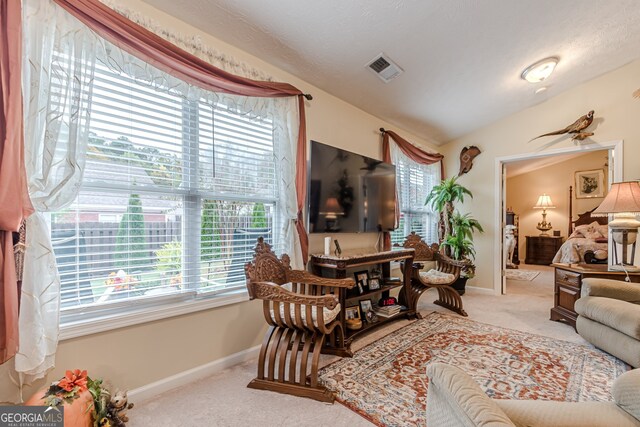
(455, 400)
(609, 317)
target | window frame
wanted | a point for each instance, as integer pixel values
(96, 317)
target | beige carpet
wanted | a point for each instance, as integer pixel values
(224, 400)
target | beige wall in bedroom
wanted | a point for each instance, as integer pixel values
(523, 191)
(134, 356)
(616, 118)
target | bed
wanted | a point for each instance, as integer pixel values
(587, 234)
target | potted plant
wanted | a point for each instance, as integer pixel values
(457, 229)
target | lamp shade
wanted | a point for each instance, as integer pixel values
(332, 205)
(623, 197)
(544, 202)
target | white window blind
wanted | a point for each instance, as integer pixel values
(414, 183)
(174, 196)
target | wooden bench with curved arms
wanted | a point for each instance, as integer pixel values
(301, 315)
(448, 297)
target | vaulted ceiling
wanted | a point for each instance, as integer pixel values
(462, 59)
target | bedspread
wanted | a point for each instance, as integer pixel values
(573, 249)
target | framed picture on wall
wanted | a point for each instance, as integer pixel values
(590, 184)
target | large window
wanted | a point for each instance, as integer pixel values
(414, 182)
(175, 193)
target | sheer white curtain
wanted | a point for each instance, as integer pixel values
(286, 136)
(58, 68)
(398, 156)
(57, 72)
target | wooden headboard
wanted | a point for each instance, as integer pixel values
(583, 218)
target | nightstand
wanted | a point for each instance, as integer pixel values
(542, 249)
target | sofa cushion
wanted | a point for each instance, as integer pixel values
(435, 277)
(547, 413)
(626, 392)
(616, 289)
(610, 340)
(454, 399)
(617, 314)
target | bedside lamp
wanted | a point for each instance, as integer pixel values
(544, 203)
(623, 201)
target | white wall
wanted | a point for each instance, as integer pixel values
(135, 356)
(616, 118)
(523, 190)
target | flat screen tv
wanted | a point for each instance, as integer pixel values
(349, 193)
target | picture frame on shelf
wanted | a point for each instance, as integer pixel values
(590, 184)
(366, 310)
(374, 284)
(352, 312)
(366, 305)
(362, 281)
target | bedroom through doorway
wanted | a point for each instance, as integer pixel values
(542, 195)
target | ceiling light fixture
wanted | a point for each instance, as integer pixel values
(535, 73)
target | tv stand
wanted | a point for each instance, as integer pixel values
(337, 267)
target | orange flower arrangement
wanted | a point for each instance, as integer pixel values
(73, 379)
(107, 410)
(67, 389)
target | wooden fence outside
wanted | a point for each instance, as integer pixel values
(97, 240)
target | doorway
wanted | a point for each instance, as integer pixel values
(614, 150)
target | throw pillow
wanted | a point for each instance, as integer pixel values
(436, 277)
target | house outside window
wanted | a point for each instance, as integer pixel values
(174, 195)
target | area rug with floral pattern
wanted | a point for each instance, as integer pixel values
(386, 382)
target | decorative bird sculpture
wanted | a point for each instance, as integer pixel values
(466, 158)
(576, 128)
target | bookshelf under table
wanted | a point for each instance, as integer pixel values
(336, 266)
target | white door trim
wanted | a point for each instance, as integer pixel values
(617, 150)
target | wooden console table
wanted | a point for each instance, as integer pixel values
(568, 284)
(337, 266)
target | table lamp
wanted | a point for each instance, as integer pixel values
(623, 201)
(331, 213)
(544, 203)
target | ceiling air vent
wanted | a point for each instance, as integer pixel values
(384, 68)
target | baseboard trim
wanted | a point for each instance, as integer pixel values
(194, 374)
(483, 290)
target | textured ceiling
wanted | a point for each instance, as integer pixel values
(462, 58)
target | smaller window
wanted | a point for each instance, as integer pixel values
(414, 182)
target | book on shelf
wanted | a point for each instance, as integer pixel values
(381, 314)
(388, 310)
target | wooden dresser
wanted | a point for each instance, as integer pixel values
(568, 283)
(542, 249)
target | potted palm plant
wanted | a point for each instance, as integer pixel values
(457, 229)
